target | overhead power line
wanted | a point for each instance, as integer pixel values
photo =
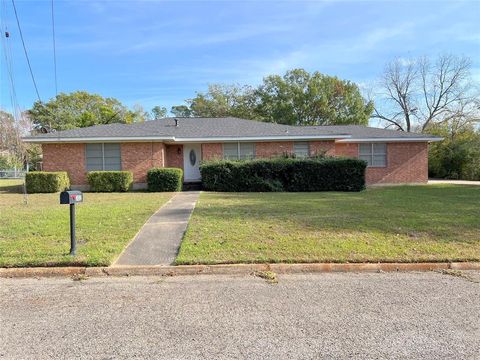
(54, 49)
(25, 50)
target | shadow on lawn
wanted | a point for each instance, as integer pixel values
(11, 189)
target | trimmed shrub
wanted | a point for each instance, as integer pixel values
(164, 179)
(285, 174)
(110, 181)
(46, 182)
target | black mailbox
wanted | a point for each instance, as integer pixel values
(71, 197)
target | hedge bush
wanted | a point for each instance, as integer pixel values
(46, 182)
(283, 174)
(110, 181)
(165, 179)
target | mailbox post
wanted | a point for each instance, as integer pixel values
(71, 198)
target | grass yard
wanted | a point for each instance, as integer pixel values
(38, 234)
(404, 224)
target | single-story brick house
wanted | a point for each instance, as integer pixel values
(392, 156)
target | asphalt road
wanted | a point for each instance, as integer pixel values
(374, 316)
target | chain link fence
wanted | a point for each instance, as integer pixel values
(12, 174)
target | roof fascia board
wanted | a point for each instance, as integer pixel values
(97, 139)
(183, 140)
(262, 138)
(397, 139)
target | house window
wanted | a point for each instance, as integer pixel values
(238, 151)
(301, 149)
(375, 154)
(103, 157)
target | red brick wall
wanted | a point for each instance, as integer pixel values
(271, 149)
(66, 157)
(212, 151)
(322, 147)
(175, 156)
(406, 163)
(139, 157)
(346, 149)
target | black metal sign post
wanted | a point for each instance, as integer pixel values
(73, 240)
(72, 198)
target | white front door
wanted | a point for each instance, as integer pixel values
(192, 154)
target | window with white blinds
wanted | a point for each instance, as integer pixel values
(375, 154)
(301, 149)
(103, 157)
(238, 151)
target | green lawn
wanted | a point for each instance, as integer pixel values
(405, 224)
(37, 234)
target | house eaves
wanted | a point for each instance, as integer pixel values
(173, 139)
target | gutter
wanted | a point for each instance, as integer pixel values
(391, 139)
(341, 138)
(173, 139)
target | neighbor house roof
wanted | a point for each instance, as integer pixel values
(223, 129)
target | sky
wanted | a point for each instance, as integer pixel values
(163, 52)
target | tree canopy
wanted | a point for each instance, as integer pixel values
(181, 111)
(458, 155)
(159, 112)
(81, 109)
(301, 98)
(296, 98)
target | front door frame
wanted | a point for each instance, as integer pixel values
(191, 173)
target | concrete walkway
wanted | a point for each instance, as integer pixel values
(158, 241)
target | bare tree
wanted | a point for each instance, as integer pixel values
(11, 131)
(417, 94)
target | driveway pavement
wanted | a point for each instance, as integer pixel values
(453, 182)
(317, 316)
(158, 241)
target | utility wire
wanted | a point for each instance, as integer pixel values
(25, 50)
(54, 49)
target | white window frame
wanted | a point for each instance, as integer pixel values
(372, 153)
(308, 149)
(238, 156)
(103, 157)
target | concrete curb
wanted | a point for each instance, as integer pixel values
(230, 269)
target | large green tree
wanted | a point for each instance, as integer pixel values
(181, 111)
(296, 98)
(81, 109)
(225, 100)
(159, 112)
(301, 98)
(458, 155)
